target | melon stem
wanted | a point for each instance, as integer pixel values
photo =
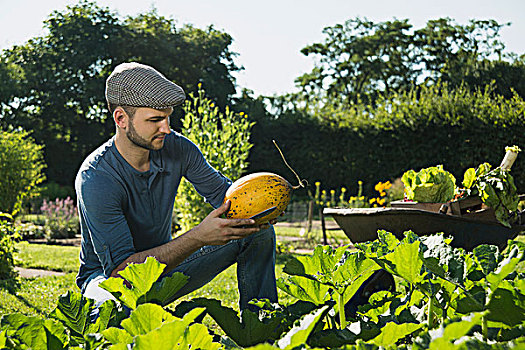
(301, 182)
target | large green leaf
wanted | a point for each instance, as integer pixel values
(145, 285)
(35, 332)
(507, 305)
(318, 266)
(392, 332)
(442, 259)
(305, 289)
(505, 267)
(73, 310)
(487, 257)
(174, 334)
(247, 330)
(443, 337)
(405, 261)
(145, 318)
(299, 334)
(353, 269)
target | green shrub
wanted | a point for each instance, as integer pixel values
(21, 166)
(424, 127)
(7, 247)
(224, 140)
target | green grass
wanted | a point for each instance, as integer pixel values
(47, 257)
(38, 296)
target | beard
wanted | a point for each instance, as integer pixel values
(139, 141)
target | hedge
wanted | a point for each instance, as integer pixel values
(424, 127)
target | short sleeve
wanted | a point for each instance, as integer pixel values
(101, 209)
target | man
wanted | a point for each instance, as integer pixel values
(126, 191)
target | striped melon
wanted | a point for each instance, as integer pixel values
(254, 196)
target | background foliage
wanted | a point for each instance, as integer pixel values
(54, 84)
(21, 169)
(364, 112)
(422, 127)
(224, 140)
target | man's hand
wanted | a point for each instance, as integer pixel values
(214, 230)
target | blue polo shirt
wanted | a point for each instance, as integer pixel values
(123, 211)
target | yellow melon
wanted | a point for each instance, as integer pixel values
(262, 196)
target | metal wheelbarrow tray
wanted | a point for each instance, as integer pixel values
(362, 224)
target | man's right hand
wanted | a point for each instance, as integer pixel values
(214, 230)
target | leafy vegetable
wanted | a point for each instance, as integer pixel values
(496, 189)
(429, 185)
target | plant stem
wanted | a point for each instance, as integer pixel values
(484, 328)
(430, 313)
(342, 317)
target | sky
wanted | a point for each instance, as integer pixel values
(268, 35)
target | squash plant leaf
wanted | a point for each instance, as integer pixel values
(442, 259)
(145, 318)
(35, 332)
(444, 336)
(74, 311)
(162, 290)
(305, 289)
(332, 338)
(507, 306)
(405, 261)
(487, 257)
(171, 334)
(247, 330)
(351, 272)
(145, 284)
(392, 332)
(318, 266)
(505, 267)
(299, 334)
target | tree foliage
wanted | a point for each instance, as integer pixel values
(54, 84)
(360, 59)
(21, 169)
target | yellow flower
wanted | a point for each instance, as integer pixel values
(199, 85)
(323, 191)
(360, 182)
(372, 200)
(241, 114)
(387, 185)
(379, 186)
(317, 184)
(343, 189)
(382, 193)
(332, 191)
(381, 201)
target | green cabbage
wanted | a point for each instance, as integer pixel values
(429, 185)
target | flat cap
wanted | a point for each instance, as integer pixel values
(138, 85)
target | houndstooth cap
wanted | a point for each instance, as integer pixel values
(138, 85)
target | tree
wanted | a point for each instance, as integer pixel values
(361, 59)
(55, 83)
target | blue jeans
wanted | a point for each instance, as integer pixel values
(255, 258)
